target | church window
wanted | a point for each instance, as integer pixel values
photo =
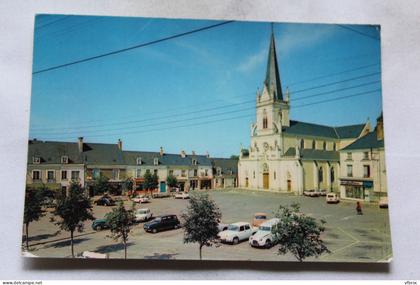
(274, 175)
(324, 146)
(302, 144)
(332, 174)
(320, 175)
(265, 121)
(313, 144)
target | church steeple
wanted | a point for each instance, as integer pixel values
(272, 77)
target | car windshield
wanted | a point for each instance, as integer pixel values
(260, 217)
(142, 211)
(265, 228)
(157, 220)
(233, 228)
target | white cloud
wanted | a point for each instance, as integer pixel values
(253, 61)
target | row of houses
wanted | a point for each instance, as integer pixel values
(56, 164)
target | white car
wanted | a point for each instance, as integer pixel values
(332, 198)
(311, 193)
(236, 232)
(143, 215)
(264, 237)
(141, 199)
(182, 195)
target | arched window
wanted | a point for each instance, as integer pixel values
(313, 144)
(302, 143)
(334, 146)
(320, 175)
(332, 174)
(274, 175)
(265, 121)
(324, 146)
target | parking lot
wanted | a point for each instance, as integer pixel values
(348, 236)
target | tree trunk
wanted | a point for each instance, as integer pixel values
(27, 235)
(71, 243)
(201, 246)
(125, 249)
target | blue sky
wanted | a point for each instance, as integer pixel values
(195, 92)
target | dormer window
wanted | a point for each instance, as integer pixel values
(194, 162)
(313, 144)
(64, 159)
(155, 161)
(138, 161)
(324, 146)
(36, 160)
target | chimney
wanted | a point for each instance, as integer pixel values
(80, 144)
(207, 154)
(161, 151)
(119, 144)
(380, 128)
(193, 152)
(183, 154)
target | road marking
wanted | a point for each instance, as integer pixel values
(348, 234)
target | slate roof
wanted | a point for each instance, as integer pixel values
(226, 164)
(147, 158)
(315, 130)
(272, 77)
(314, 154)
(51, 152)
(103, 154)
(366, 142)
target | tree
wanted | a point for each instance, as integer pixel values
(101, 185)
(151, 181)
(201, 221)
(73, 210)
(33, 211)
(234, 156)
(127, 185)
(298, 233)
(171, 181)
(120, 221)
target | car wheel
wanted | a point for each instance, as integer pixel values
(154, 231)
(235, 240)
(268, 244)
(98, 228)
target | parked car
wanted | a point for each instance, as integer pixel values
(182, 195)
(105, 201)
(161, 195)
(143, 215)
(222, 227)
(311, 193)
(258, 219)
(141, 199)
(264, 236)
(99, 224)
(332, 198)
(383, 202)
(91, 254)
(322, 192)
(236, 232)
(166, 222)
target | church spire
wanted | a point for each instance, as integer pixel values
(272, 77)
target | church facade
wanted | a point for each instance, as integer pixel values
(286, 155)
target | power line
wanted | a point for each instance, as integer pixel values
(132, 47)
(358, 32)
(335, 82)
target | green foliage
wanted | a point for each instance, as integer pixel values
(101, 185)
(234, 156)
(201, 220)
(73, 210)
(33, 211)
(120, 221)
(151, 181)
(298, 233)
(128, 184)
(171, 180)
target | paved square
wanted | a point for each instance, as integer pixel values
(349, 237)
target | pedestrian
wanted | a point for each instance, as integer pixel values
(359, 208)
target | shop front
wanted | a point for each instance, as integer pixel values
(356, 189)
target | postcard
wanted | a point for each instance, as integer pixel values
(206, 140)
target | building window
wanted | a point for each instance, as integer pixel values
(302, 144)
(349, 156)
(63, 174)
(96, 173)
(138, 173)
(36, 160)
(36, 175)
(64, 159)
(349, 170)
(219, 171)
(195, 172)
(171, 172)
(366, 171)
(156, 161)
(75, 175)
(334, 146)
(50, 175)
(194, 162)
(320, 175)
(253, 174)
(313, 144)
(138, 161)
(155, 171)
(115, 174)
(366, 155)
(183, 173)
(332, 174)
(265, 123)
(206, 172)
(324, 146)
(274, 175)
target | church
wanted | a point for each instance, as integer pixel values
(286, 155)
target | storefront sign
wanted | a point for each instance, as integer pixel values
(351, 183)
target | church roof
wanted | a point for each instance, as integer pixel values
(366, 142)
(272, 77)
(314, 154)
(315, 130)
